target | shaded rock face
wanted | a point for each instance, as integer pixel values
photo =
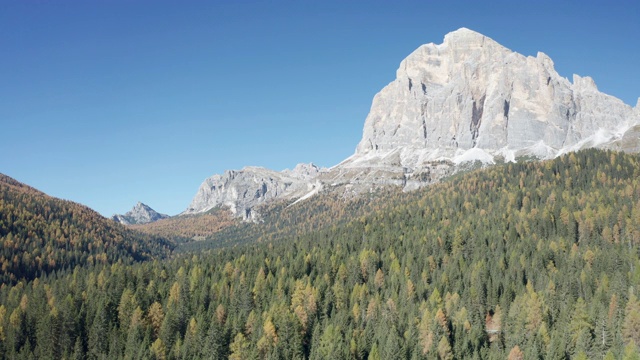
(468, 99)
(629, 142)
(472, 93)
(242, 190)
(140, 214)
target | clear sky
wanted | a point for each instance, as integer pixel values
(107, 103)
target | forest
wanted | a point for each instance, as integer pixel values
(530, 260)
(40, 234)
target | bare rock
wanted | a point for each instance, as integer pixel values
(140, 214)
(242, 190)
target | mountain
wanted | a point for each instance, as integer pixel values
(242, 190)
(468, 99)
(186, 228)
(40, 234)
(140, 214)
(521, 260)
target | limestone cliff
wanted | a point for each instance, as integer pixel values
(242, 190)
(471, 98)
(468, 99)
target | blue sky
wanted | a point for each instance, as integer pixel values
(107, 103)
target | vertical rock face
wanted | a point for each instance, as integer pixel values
(242, 190)
(140, 214)
(472, 93)
(461, 101)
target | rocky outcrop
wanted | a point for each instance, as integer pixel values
(451, 105)
(469, 99)
(628, 142)
(140, 214)
(241, 190)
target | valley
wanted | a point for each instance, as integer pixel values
(537, 258)
(491, 210)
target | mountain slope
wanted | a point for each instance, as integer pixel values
(186, 228)
(468, 99)
(40, 234)
(471, 92)
(139, 214)
(535, 259)
(242, 190)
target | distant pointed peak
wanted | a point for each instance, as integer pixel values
(139, 214)
(140, 206)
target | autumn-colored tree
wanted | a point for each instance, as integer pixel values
(516, 353)
(221, 314)
(444, 349)
(562, 287)
(158, 350)
(239, 348)
(155, 317)
(3, 312)
(379, 279)
(631, 324)
(425, 331)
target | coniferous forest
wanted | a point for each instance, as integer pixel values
(533, 260)
(40, 234)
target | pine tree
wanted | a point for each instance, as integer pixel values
(444, 349)
(516, 353)
(631, 352)
(239, 348)
(631, 324)
(214, 345)
(375, 353)
(158, 350)
(98, 342)
(392, 348)
(331, 343)
(580, 328)
(425, 331)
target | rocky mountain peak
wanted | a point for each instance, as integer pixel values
(464, 37)
(584, 83)
(305, 170)
(140, 207)
(472, 93)
(465, 100)
(139, 214)
(436, 63)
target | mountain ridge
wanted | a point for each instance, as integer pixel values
(40, 234)
(465, 100)
(471, 92)
(241, 190)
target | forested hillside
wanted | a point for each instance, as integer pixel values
(40, 234)
(282, 219)
(185, 228)
(521, 261)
